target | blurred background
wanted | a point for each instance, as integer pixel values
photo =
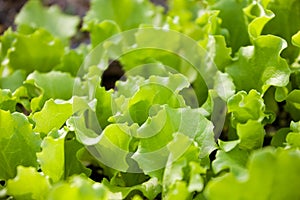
(9, 8)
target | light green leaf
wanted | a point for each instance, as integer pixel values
(7, 101)
(71, 62)
(43, 52)
(58, 158)
(251, 135)
(235, 160)
(104, 106)
(143, 94)
(186, 169)
(174, 171)
(192, 19)
(259, 17)
(26, 95)
(127, 14)
(52, 116)
(78, 188)
(13, 81)
(6, 41)
(159, 90)
(150, 189)
(114, 143)
(18, 144)
(180, 127)
(56, 85)
(244, 107)
(264, 180)
(218, 51)
(102, 31)
(296, 39)
(224, 86)
(295, 126)
(33, 16)
(51, 158)
(196, 182)
(284, 24)
(293, 139)
(179, 191)
(186, 12)
(129, 87)
(260, 66)
(227, 146)
(20, 188)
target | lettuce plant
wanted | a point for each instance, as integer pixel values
(207, 105)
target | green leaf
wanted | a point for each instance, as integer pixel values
(278, 140)
(293, 139)
(179, 191)
(71, 62)
(186, 11)
(218, 51)
(58, 158)
(295, 126)
(192, 20)
(6, 40)
(159, 90)
(33, 16)
(18, 144)
(127, 14)
(143, 94)
(77, 188)
(179, 129)
(51, 158)
(7, 101)
(244, 107)
(263, 181)
(102, 31)
(104, 106)
(260, 66)
(43, 52)
(196, 182)
(56, 85)
(296, 39)
(235, 160)
(251, 135)
(73, 164)
(20, 188)
(284, 24)
(227, 146)
(114, 143)
(13, 81)
(26, 95)
(233, 19)
(224, 85)
(259, 17)
(52, 116)
(150, 189)
(281, 94)
(293, 104)
(186, 169)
